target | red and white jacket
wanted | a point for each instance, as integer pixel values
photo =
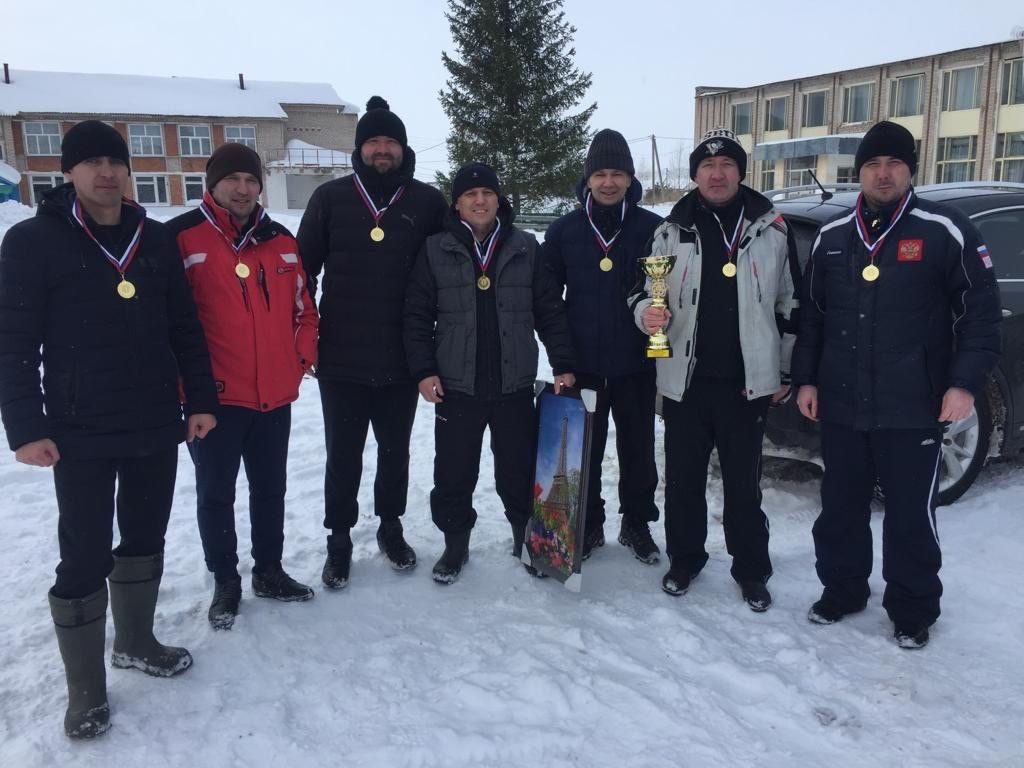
(261, 328)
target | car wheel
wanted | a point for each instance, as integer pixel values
(964, 452)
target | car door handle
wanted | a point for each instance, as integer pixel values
(1007, 312)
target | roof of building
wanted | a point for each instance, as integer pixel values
(9, 174)
(32, 91)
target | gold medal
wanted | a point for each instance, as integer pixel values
(870, 273)
(241, 270)
(483, 282)
(606, 264)
(729, 269)
(376, 234)
(125, 289)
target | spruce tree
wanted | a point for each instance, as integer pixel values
(510, 93)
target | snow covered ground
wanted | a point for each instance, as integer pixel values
(501, 669)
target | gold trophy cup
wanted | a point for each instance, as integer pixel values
(657, 269)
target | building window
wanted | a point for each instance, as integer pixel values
(767, 176)
(742, 118)
(814, 109)
(960, 89)
(955, 158)
(195, 186)
(146, 139)
(846, 175)
(905, 96)
(41, 184)
(857, 103)
(1013, 82)
(151, 190)
(1010, 156)
(246, 134)
(42, 138)
(194, 140)
(799, 169)
(777, 113)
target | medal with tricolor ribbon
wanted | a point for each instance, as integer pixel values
(871, 271)
(606, 263)
(376, 234)
(125, 288)
(242, 270)
(729, 268)
(484, 256)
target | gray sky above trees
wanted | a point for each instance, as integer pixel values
(646, 56)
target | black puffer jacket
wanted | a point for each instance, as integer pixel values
(882, 354)
(363, 281)
(110, 365)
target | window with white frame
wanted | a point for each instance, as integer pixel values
(742, 118)
(1010, 157)
(241, 134)
(42, 138)
(814, 109)
(195, 140)
(798, 170)
(151, 190)
(961, 89)
(146, 139)
(777, 113)
(955, 158)
(767, 175)
(905, 96)
(194, 186)
(846, 174)
(857, 102)
(1012, 91)
(42, 183)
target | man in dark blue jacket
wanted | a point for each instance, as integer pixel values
(899, 331)
(593, 252)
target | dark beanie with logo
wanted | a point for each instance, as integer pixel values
(92, 138)
(379, 120)
(608, 150)
(232, 158)
(889, 139)
(718, 141)
(473, 175)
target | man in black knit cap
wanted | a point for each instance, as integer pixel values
(363, 232)
(899, 330)
(730, 302)
(593, 253)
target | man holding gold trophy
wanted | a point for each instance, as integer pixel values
(724, 264)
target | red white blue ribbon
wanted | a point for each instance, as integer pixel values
(243, 241)
(604, 245)
(377, 213)
(731, 244)
(865, 234)
(119, 263)
(485, 255)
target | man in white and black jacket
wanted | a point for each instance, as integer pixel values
(899, 330)
(731, 304)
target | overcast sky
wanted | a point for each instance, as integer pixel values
(646, 56)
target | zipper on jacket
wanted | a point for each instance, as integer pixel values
(261, 281)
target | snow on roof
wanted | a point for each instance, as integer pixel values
(8, 174)
(93, 94)
(303, 153)
(806, 138)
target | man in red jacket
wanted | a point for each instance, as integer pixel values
(261, 327)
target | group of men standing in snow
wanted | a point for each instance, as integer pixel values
(202, 329)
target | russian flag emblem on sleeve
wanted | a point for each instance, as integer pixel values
(985, 258)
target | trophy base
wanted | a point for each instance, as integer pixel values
(659, 353)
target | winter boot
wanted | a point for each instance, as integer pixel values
(756, 595)
(227, 594)
(829, 610)
(592, 540)
(910, 636)
(81, 632)
(455, 555)
(677, 580)
(636, 535)
(134, 585)
(392, 543)
(339, 561)
(272, 581)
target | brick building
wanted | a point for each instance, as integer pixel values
(303, 131)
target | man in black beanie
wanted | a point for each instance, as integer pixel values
(730, 324)
(593, 253)
(363, 232)
(907, 289)
(95, 293)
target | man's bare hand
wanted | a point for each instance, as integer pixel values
(431, 389)
(38, 453)
(655, 319)
(956, 404)
(807, 401)
(199, 426)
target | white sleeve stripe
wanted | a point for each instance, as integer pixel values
(289, 258)
(814, 247)
(195, 258)
(956, 233)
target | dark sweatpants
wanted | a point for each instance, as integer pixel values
(349, 410)
(458, 439)
(905, 462)
(714, 414)
(86, 506)
(630, 401)
(260, 439)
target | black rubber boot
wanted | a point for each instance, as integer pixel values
(81, 632)
(455, 555)
(339, 561)
(227, 595)
(392, 543)
(134, 586)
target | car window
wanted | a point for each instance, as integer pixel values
(1003, 233)
(803, 232)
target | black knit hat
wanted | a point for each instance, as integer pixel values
(232, 158)
(379, 120)
(608, 150)
(718, 141)
(473, 175)
(91, 138)
(886, 138)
